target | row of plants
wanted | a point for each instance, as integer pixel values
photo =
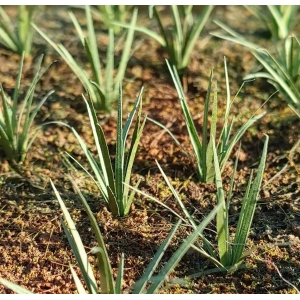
(113, 180)
(228, 256)
(178, 40)
(18, 133)
(114, 187)
(113, 183)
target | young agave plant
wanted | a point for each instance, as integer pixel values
(180, 41)
(281, 69)
(16, 133)
(109, 182)
(19, 40)
(146, 284)
(203, 150)
(106, 275)
(107, 283)
(103, 85)
(230, 253)
(279, 19)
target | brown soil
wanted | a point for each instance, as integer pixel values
(34, 251)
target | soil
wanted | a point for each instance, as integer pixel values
(34, 251)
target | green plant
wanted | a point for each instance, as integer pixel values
(16, 133)
(19, 40)
(179, 39)
(101, 86)
(104, 267)
(111, 13)
(203, 150)
(279, 19)
(106, 277)
(146, 284)
(15, 287)
(282, 69)
(109, 182)
(230, 252)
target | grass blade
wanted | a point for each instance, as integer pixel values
(144, 30)
(92, 41)
(101, 145)
(119, 164)
(130, 117)
(79, 285)
(106, 274)
(126, 50)
(190, 219)
(8, 124)
(205, 125)
(194, 34)
(120, 275)
(235, 37)
(189, 121)
(77, 246)
(17, 87)
(131, 156)
(109, 70)
(16, 288)
(184, 247)
(248, 208)
(140, 285)
(222, 214)
(8, 30)
(208, 156)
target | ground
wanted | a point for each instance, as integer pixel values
(34, 249)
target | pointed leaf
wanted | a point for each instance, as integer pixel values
(248, 208)
(16, 288)
(140, 285)
(181, 251)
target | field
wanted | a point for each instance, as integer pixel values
(34, 250)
